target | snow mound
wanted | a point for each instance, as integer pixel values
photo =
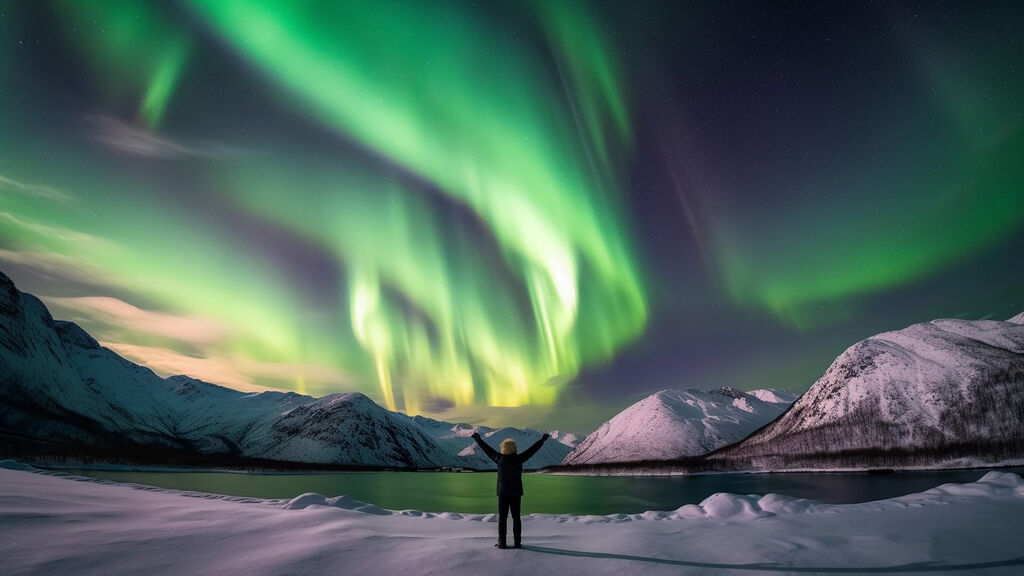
(15, 465)
(688, 512)
(992, 484)
(1018, 319)
(780, 504)
(309, 499)
(724, 505)
(413, 513)
(1003, 479)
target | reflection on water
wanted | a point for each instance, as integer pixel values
(474, 492)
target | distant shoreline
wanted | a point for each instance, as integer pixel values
(158, 458)
(649, 474)
(639, 470)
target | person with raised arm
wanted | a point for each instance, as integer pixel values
(510, 484)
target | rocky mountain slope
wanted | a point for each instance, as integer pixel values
(679, 423)
(942, 391)
(60, 387)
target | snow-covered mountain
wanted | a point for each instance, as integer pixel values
(60, 387)
(944, 390)
(676, 423)
(552, 452)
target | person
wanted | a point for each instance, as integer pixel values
(510, 484)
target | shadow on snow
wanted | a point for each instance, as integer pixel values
(768, 567)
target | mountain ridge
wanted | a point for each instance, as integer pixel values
(61, 387)
(944, 391)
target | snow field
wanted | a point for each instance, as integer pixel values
(53, 524)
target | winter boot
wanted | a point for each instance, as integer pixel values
(501, 544)
(517, 544)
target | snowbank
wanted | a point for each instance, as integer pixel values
(54, 523)
(15, 465)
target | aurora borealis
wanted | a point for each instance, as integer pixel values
(531, 211)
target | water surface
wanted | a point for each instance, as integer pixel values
(473, 492)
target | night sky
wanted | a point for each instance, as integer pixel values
(526, 213)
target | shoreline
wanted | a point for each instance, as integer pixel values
(841, 470)
(288, 470)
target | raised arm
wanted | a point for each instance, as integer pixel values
(533, 449)
(491, 452)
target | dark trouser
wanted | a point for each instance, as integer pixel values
(505, 504)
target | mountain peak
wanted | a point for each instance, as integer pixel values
(351, 397)
(932, 388)
(728, 391)
(675, 423)
(772, 395)
(73, 335)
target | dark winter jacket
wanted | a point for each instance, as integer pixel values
(510, 466)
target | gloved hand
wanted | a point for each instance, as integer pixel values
(545, 436)
(475, 435)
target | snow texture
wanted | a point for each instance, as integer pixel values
(56, 524)
(933, 386)
(676, 423)
(60, 386)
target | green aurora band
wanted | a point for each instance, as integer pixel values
(134, 46)
(493, 281)
(873, 246)
(490, 137)
(964, 196)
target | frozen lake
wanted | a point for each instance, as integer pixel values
(473, 492)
